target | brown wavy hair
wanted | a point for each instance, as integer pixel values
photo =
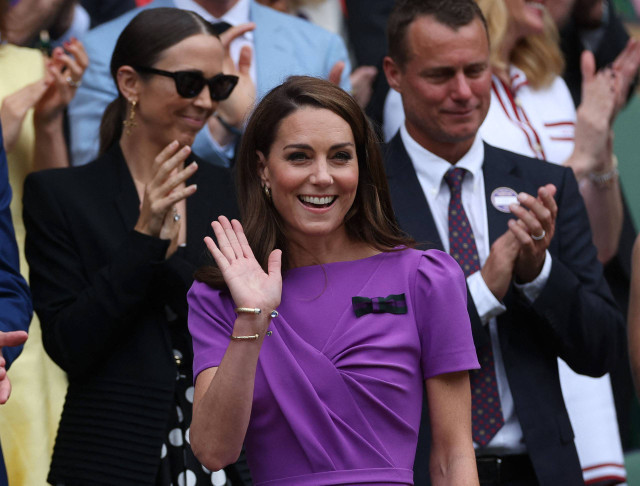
(369, 220)
(4, 8)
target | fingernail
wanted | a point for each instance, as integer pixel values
(522, 197)
(513, 207)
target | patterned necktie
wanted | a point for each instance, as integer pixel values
(486, 412)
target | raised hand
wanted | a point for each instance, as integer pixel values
(13, 338)
(249, 284)
(594, 116)
(362, 84)
(335, 74)
(625, 68)
(534, 230)
(15, 107)
(237, 106)
(63, 74)
(164, 191)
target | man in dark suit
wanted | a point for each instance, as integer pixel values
(15, 299)
(520, 231)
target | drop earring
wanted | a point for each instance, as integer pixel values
(130, 122)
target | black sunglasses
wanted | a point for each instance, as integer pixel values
(189, 84)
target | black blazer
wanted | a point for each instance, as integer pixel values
(103, 293)
(574, 317)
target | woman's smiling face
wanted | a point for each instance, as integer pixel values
(312, 172)
(162, 112)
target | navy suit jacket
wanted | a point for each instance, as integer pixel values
(574, 317)
(15, 299)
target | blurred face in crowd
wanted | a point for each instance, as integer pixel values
(312, 172)
(162, 112)
(526, 17)
(445, 84)
(560, 11)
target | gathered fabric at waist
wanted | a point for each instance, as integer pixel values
(361, 477)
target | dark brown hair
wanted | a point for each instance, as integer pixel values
(452, 13)
(141, 43)
(370, 219)
(4, 8)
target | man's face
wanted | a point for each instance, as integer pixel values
(445, 84)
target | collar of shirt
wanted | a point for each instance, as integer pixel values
(238, 14)
(431, 168)
(518, 79)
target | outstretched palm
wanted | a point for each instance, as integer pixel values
(248, 283)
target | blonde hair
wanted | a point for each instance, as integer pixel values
(539, 56)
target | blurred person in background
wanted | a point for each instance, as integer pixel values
(264, 47)
(112, 247)
(45, 23)
(596, 26)
(34, 93)
(361, 78)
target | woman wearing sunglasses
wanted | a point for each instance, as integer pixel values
(112, 247)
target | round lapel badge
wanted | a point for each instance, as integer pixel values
(503, 197)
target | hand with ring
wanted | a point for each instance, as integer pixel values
(64, 75)
(159, 216)
(534, 229)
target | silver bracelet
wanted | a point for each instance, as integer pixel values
(254, 310)
(604, 178)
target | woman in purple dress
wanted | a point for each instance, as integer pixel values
(318, 327)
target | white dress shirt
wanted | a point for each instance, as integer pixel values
(430, 170)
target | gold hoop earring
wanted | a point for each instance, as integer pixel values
(130, 122)
(267, 192)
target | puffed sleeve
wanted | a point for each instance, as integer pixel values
(440, 303)
(211, 319)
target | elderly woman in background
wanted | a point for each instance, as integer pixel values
(112, 247)
(327, 389)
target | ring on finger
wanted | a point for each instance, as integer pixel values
(539, 237)
(176, 215)
(72, 83)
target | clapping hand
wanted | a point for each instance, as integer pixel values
(163, 192)
(64, 73)
(534, 229)
(13, 338)
(49, 95)
(249, 284)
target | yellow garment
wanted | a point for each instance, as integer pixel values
(29, 420)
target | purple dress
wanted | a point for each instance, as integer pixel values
(337, 398)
